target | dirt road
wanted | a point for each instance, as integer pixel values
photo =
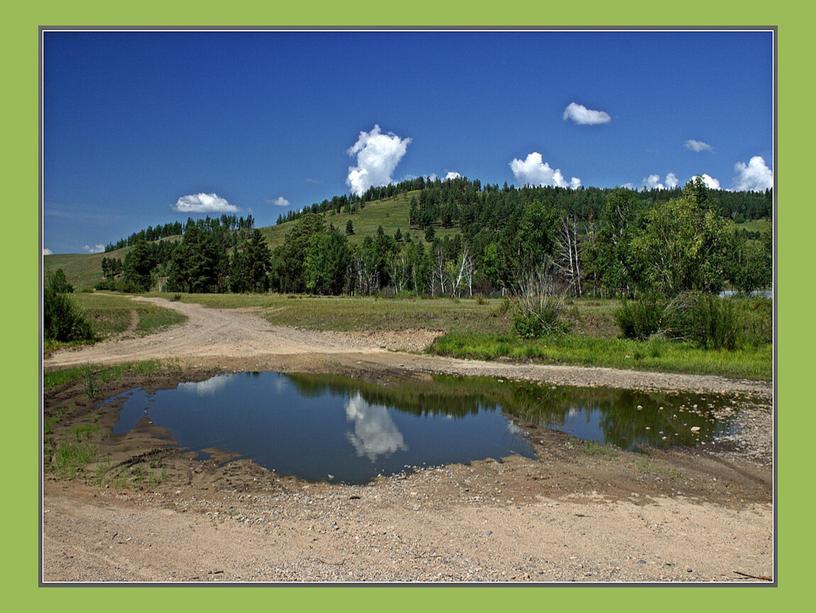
(241, 339)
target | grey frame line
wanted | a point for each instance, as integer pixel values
(774, 29)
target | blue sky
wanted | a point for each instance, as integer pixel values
(136, 121)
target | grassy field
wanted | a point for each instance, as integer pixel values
(111, 314)
(480, 329)
(655, 355)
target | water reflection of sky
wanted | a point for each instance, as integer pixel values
(314, 432)
(374, 433)
(313, 426)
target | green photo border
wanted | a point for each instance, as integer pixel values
(21, 257)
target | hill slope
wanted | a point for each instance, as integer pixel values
(85, 270)
(390, 213)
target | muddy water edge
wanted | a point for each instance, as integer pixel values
(732, 469)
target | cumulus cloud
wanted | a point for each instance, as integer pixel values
(652, 182)
(452, 175)
(98, 248)
(280, 201)
(204, 203)
(377, 156)
(754, 176)
(709, 181)
(655, 182)
(47, 251)
(533, 170)
(697, 145)
(581, 115)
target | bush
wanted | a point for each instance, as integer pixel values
(62, 320)
(640, 319)
(542, 317)
(59, 283)
(706, 319)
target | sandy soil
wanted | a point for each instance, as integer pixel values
(568, 515)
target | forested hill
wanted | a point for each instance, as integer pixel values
(418, 234)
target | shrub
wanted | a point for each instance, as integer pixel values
(59, 283)
(62, 320)
(640, 319)
(706, 319)
(540, 317)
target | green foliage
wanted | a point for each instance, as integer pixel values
(640, 318)
(62, 320)
(250, 265)
(138, 266)
(326, 263)
(750, 265)
(681, 247)
(349, 228)
(707, 320)
(58, 283)
(288, 274)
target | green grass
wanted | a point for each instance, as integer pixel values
(83, 270)
(390, 213)
(654, 355)
(757, 225)
(62, 376)
(71, 458)
(110, 314)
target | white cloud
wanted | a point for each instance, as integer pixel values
(47, 251)
(452, 175)
(652, 182)
(204, 203)
(697, 145)
(581, 115)
(280, 201)
(655, 182)
(710, 182)
(377, 156)
(754, 176)
(98, 248)
(533, 170)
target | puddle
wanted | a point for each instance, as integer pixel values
(331, 428)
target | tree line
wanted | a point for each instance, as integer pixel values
(176, 228)
(600, 242)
